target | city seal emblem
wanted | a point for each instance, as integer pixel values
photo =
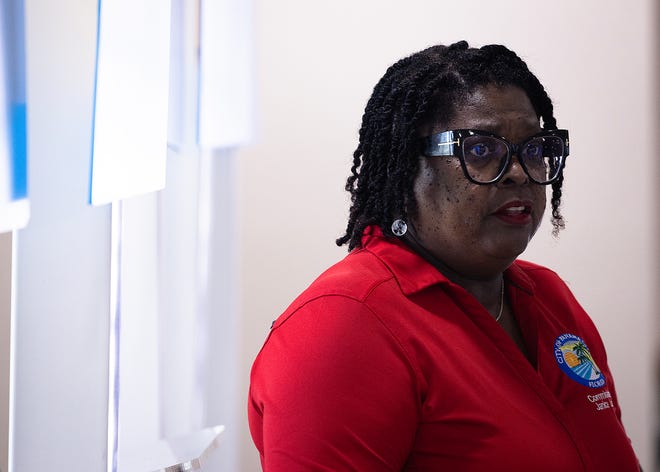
(573, 357)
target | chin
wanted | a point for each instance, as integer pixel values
(510, 248)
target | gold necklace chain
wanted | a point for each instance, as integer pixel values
(499, 315)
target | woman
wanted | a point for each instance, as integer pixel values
(430, 346)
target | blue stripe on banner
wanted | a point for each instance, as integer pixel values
(18, 146)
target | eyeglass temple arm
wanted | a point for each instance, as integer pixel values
(438, 145)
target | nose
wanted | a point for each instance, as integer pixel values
(514, 173)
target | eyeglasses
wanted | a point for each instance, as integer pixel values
(485, 157)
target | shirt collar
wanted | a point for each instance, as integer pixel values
(413, 273)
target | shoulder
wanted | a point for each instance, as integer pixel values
(543, 282)
(535, 270)
(340, 311)
(355, 277)
(537, 278)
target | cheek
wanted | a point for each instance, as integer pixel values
(432, 192)
(442, 200)
(443, 181)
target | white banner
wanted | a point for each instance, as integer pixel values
(129, 137)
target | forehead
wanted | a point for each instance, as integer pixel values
(504, 110)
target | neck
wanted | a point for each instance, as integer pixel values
(486, 289)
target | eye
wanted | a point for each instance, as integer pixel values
(480, 150)
(534, 150)
(483, 150)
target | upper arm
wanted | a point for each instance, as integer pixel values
(333, 389)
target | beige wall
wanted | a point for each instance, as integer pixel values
(317, 63)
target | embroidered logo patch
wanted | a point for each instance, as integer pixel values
(574, 358)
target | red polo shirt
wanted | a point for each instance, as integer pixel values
(382, 364)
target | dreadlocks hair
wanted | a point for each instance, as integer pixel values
(424, 88)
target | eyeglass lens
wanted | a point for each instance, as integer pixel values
(486, 156)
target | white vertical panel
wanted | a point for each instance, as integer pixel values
(184, 74)
(139, 408)
(194, 326)
(219, 296)
(62, 257)
(130, 113)
(226, 92)
(178, 297)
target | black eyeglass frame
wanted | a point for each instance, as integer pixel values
(452, 143)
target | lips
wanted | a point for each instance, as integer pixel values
(518, 212)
